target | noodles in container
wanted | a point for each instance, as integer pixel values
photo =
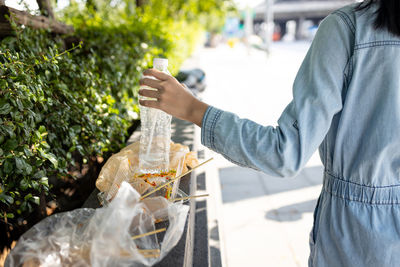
(124, 166)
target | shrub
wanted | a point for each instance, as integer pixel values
(55, 108)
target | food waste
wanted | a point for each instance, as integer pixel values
(124, 166)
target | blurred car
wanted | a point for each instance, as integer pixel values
(194, 79)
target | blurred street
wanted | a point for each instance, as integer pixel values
(256, 220)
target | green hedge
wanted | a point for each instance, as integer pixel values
(54, 105)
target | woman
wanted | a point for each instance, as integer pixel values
(346, 101)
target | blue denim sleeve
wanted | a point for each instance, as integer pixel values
(284, 150)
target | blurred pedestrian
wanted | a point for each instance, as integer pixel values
(346, 101)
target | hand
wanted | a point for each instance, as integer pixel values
(171, 97)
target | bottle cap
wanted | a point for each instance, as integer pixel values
(160, 62)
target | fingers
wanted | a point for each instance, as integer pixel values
(151, 83)
(149, 103)
(157, 74)
(149, 93)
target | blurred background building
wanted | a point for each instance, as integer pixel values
(298, 18)
(261, 22)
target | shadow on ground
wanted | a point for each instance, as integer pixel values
(182, 132)
(239, 183)
(292, 212)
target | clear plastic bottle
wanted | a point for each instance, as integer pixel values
(155, 135)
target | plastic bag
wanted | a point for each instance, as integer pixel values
(101, 237)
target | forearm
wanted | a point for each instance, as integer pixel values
(275, 151)
(196, 112)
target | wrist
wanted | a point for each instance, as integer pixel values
(197, 109)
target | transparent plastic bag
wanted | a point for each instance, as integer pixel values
(101, 237)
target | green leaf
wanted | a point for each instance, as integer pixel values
(42, 129)
(6, 199)
(47, 73)
(62, 86)
(39, 174)
(80, 149)
(30, 209)
(5, 108)
(23, 206)
(27, 151)
(22, 166)
(52, 158)
(3, 83)
(10, 215)
(28, 196)
(11, 144)
(45, 145)
(28, 169)
(8, 129)
(1, 152)
(24, 184)
(76, 128)
(19, 163)
(8, 167)
(35, 199)
(35, 185)
(44, 181)
(37, 135)
(20, 105)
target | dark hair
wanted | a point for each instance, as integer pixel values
(388, 14)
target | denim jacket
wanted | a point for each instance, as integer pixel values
(346, 102)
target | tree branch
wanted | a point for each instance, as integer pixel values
(140, 3)
(45, 8)
(24, 18)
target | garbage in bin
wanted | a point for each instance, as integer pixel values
(114, 235)
(124, 165)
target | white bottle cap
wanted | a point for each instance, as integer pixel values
(162, 62)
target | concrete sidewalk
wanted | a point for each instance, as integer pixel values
(257, 220)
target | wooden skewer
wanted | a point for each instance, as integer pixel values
(147, 253)
(151, 255)
(149, 233)
(149, 250)
(189, 197)
(173, 180)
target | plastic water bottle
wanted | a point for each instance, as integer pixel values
(155, 135)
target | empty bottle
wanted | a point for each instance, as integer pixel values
(155, 135)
